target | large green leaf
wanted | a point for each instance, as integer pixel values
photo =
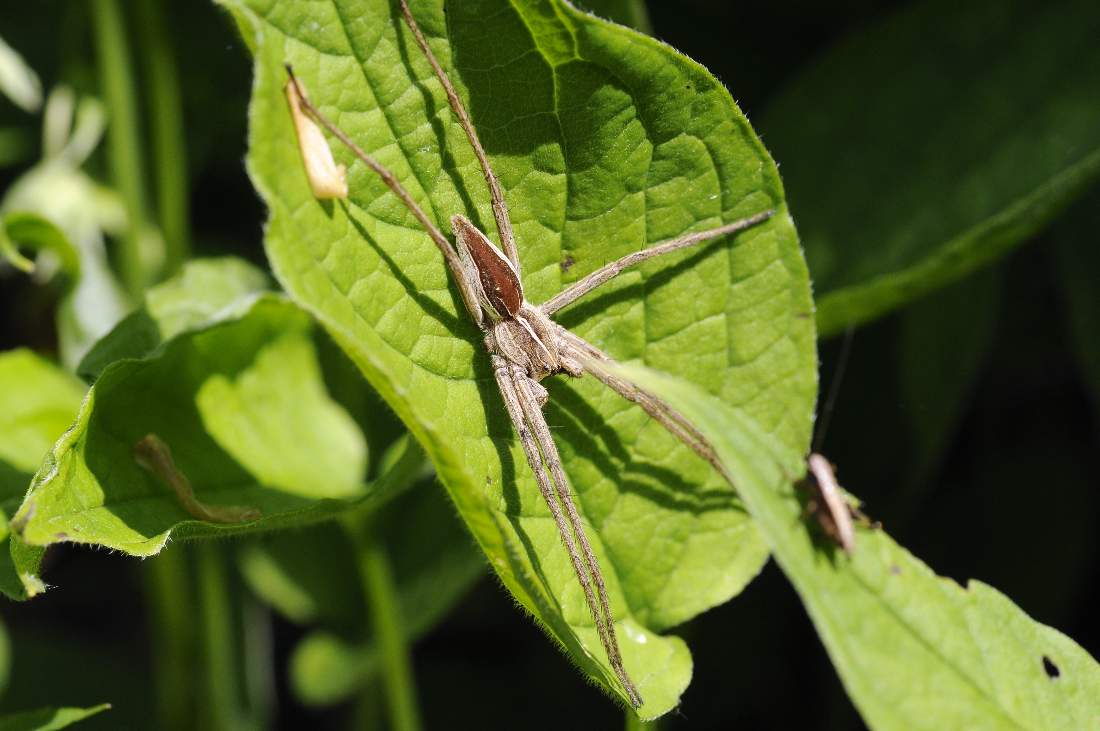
(240, 403)
(605, 141)
(915, 650)
(933, 141)
(48, 719)
(38, 402)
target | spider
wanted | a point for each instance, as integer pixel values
(522, 341)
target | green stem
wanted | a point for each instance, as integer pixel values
(123, 136)
(219, 671)
(258, 661)
(170, 606)
(169, 164)
(365, 715)
(385, 615)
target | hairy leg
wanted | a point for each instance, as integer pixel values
(552, 459)
(595, 362)
(500, 207)
(514, 403)
(450, 258)
(609, 271)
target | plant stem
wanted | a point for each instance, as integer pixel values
(123, 136)
(385, 617)
(166, 133)
(365, 713)
(258, 661)
(170, 606)
(220, 700)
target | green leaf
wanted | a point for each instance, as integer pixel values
(383, 431)
(10, 253)
(38, 402)
(933, 142)
(191, 300)
(314, 576)
(39, 234)
(48, 719)
(242, 407)
(605, 141)
(915, 650)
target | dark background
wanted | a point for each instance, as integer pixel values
(1013, 502)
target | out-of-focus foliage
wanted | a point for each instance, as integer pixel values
(933, 141)
(915, 651)
(47, 719)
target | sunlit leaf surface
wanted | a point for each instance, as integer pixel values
(605, 141)
(914, 650)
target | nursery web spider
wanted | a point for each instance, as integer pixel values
(524, 345)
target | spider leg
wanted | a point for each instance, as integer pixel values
(552, 461)
(609, 271)
(450, 257)
(521, 401)
(596, 362)
(500, 207)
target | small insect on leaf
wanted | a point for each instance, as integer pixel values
(327, 180)
(833, 513)
(153, 454)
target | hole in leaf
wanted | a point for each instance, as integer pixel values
(1051, 669)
